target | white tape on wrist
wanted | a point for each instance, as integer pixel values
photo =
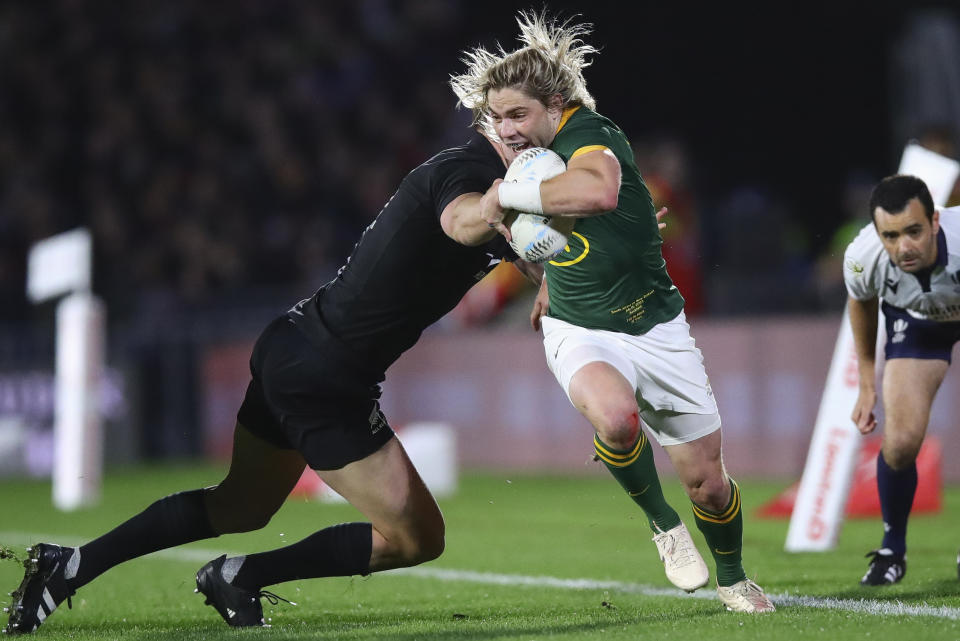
(520, 196)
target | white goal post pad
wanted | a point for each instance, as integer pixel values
(938, 172)
(59, 265)
(78, 430)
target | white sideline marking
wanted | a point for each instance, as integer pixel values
(864, 606)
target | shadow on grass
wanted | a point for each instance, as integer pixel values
(523, 623)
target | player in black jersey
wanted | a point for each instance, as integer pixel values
(316, 374)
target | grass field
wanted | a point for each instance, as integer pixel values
(527, 558)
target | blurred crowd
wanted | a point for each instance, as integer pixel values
(217, 151)
(212, 151)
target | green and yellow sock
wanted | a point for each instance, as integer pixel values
(634, 470)
(724, 534)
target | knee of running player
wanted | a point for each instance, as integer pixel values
(231, 513)
(709, 490)
(422, 542)
(617, 423)
(429, 545)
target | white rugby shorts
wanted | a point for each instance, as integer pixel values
(664, 366)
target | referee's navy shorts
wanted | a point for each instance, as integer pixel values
(909, 337)
(312, 398)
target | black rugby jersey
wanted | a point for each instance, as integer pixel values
(405, 273)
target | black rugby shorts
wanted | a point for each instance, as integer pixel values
(312, 398)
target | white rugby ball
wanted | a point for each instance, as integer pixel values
(535, 165)
(533, 238)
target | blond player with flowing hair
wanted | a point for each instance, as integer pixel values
(614, 330)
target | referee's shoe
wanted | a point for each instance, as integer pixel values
(43, 588)
(886, 568)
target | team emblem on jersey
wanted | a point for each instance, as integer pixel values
(899, 330)
(854, 266)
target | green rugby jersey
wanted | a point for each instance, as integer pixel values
(611, 275)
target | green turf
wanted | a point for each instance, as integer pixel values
(506, 524)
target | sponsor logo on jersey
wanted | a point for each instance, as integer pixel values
(892, 285)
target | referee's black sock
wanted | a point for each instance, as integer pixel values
(340, 550)
(896, 489)
(174, 520)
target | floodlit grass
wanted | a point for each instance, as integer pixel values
(500, 527)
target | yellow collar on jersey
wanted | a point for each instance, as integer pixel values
(569, 111)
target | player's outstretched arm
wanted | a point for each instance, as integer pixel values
(863, 322)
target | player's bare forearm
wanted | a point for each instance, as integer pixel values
(462, 220)
(590, 186)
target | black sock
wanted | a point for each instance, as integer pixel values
(340, 550)
(173, 520)
(896, 489)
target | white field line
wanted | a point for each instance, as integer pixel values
(864, 606)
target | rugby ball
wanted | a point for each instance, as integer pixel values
(533, 238)
(535, 165)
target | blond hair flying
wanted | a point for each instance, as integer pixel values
(550, 62)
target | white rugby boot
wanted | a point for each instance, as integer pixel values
(681, 561)
(745, 596)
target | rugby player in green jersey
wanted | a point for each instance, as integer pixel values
(615, 334)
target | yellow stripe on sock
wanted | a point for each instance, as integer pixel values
(619, 460)
(727, 515)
